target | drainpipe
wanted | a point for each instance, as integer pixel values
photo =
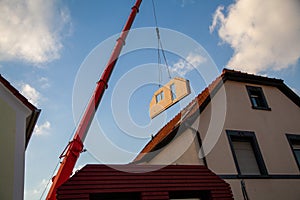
(244, 191)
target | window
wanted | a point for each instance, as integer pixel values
(246, 153)
(257, 98)
(159, 97)
(294, 141)
(173, 91)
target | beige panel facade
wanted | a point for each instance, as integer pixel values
(164, 97)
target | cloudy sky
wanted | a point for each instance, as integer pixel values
(47, 47)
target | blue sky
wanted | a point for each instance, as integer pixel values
(54, 52)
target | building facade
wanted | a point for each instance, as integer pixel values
(17, 121)
(248, 128)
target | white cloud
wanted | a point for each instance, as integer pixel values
(42, 129)
(30, 93)
(263, 34)
(31, 30)
(36, 192)
(44, 82)
(185, 2)
(183, 66)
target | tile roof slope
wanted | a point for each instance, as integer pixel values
(149, 181)
(30, 106)
(199, 103)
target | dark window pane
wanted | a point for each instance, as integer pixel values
(297, 154)
(159, 96)
(173, 91)
(246, 153)
(257, 97)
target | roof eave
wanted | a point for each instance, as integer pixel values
(31, 124)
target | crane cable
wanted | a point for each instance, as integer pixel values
(160, 49)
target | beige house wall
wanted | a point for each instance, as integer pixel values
(266, 189)
(12, 145)
(270, 128)
(180, 151)
(7, 152)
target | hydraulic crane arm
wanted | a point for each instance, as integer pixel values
(75, 147)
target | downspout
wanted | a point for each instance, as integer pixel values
(244, 191)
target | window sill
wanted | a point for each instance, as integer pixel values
(261, 108)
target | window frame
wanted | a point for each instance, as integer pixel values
(291, 138)
(173, 91)
(159, 97)
(251, 88)
(234, 135)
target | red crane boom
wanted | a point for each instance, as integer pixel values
(75, 147)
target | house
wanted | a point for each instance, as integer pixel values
(240, 135)
(135, 182)
(17, 121)
(244, 128)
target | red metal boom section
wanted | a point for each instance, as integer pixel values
(75, 147)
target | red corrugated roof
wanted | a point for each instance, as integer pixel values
(200, 102)
(100, 179)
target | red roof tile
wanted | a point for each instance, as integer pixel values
(145, 180)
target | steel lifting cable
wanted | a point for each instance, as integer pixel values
(48, 182)
(160, 48)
